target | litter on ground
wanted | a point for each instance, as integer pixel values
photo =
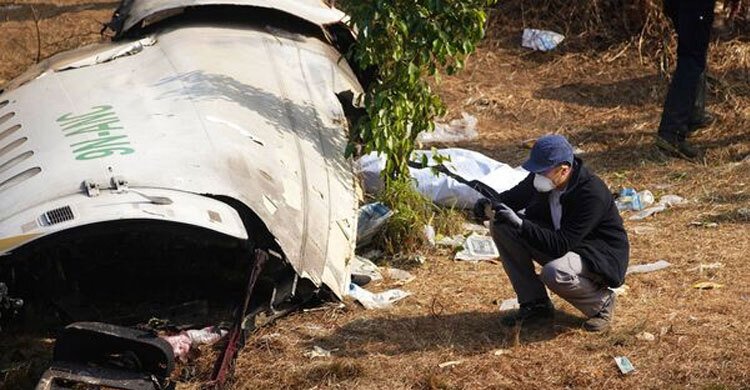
(624, 364)
(665, 202)
(365, 270)
(647, 212)
(540, 40)
(371, 219)
(509, 304)
(458, 130)
(478, 248)
(643, 268)
(631, 200)
(318, 352)
(373, 301)
(621, 291)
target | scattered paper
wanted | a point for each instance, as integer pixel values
(642, 268)
(317, 352)
(478, 248)
(624, 364)
(501, 352)
(381, 300)
(621, 291)
(509, 304)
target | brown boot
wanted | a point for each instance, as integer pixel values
(602, 320)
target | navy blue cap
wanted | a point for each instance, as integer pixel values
(549, 152)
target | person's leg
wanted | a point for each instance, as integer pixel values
(693, 19)
(699, 107)
(700, 118)
(518, 264)
(569, 278)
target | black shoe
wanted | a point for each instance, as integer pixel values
(531, 313)
(703, 122)
(681, 149)
(602, 320)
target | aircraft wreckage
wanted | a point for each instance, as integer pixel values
(207, 136)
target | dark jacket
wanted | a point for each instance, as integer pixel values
(591, 225)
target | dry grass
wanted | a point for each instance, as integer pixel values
(606, 98)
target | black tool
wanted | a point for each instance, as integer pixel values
(486, 191)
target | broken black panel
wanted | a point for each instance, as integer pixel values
(99, 355)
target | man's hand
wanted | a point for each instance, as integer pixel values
(504, 214)
(482, 209)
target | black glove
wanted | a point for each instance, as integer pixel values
(504, 214)
(481, 208)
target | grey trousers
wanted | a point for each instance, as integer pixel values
(566, 276)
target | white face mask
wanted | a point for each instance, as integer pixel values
(543, 183)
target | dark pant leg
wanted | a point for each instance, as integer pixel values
(517, 259)
(692, 20)
(699, 108)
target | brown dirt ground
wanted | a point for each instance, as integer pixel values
(607, 101)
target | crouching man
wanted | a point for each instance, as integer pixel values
(570, 226)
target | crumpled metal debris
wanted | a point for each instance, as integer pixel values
(123, 50)
(8, 306)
